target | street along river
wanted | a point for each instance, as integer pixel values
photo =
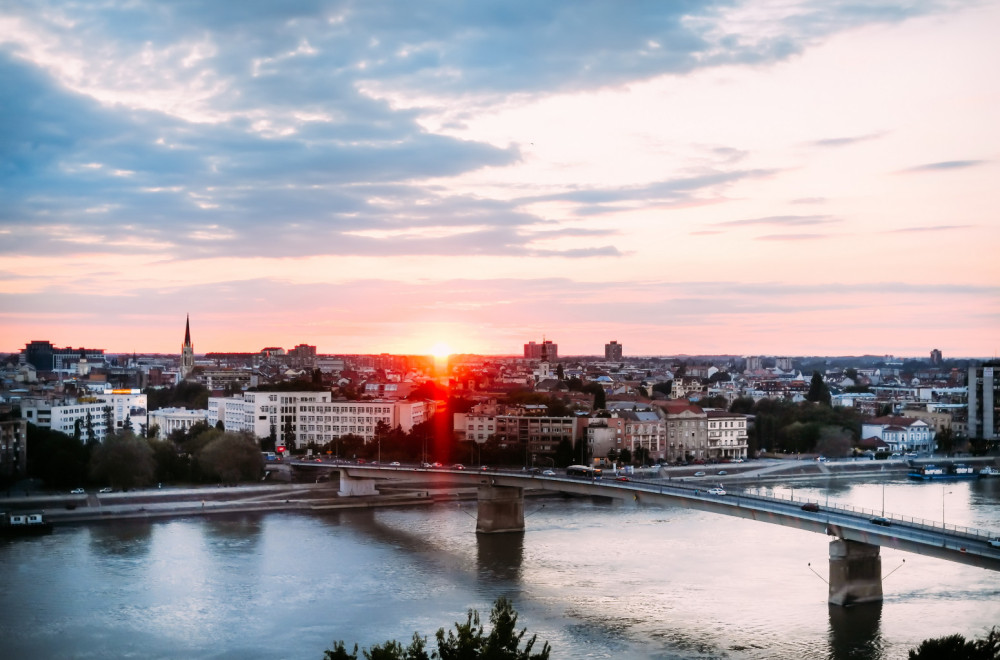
(595, 579)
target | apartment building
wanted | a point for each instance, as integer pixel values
(983, 401)
(299, 418)
(727, 435)
(902, 434)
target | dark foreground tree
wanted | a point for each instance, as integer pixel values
(469, 641)
(123, 460)
(231, 458)
(956, 647)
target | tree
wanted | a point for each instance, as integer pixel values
(834, 442)
(818, 391)
(956, 647)
(560, 372)
(231, 458)
(625, 455)
(123, 460)
(469, 641)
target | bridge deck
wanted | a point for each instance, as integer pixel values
(953, 543)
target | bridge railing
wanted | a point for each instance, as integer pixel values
(971, 533)
(910, 521)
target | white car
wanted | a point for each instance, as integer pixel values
(105, 490)
(716, 491)
(77, 491)
(995, 542)
(548, 473)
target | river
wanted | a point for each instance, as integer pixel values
(594, 579)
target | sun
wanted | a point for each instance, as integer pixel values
(440, 350)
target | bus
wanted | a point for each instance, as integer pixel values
(584, 472)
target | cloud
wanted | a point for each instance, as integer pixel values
(846, 141)
(936, 228)
(780, 221)
(792, 237)
(945, 165)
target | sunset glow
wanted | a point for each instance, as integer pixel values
(750, 177)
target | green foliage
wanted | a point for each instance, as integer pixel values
(564, 453)
(171, 465)
(123, 460)
(186, 394)
(743, 405)
(818, 391)
(469, 641)
(664, 388)
(59, 460)
(231, 458)
(956, 647)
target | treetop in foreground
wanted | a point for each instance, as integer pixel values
(469, 641)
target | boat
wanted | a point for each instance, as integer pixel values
(23, 524)
(989, 471)
(936, 472)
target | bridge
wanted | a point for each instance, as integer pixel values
(858, 534)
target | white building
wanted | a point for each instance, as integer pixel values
(902, 434)
(300, 418)
(64, 417)
(168, 420)
(727, 435)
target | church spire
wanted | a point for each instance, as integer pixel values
(187, 351)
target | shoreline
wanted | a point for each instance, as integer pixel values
(157, 503)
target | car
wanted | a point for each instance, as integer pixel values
(457, 466)
(317, 460)
(622, 479)
(895, 454)
(821, 459)
(106, 489)
(911, 454)
(548, 473)
(879, 520)
(716, 491)
(436, 465)
(699, 473)
(737, 460)
(77, 491)
(394, 464)
(810, 506)
(722, 472)
(995, 542)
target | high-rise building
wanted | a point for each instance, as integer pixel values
(187, 351)
(936, 357)
(547, 350)
(613, 351)
(983, 401)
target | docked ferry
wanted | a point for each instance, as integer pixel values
(954, 471)
(989, 471)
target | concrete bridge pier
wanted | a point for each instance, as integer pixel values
(356, 486)
(501, 509)
(855, 573)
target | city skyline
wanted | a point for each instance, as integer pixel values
(774, 178)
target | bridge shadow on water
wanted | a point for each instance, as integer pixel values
(856, 631)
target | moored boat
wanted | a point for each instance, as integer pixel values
(989, 471)
(23, 524)
(935, 472)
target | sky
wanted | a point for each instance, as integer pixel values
(773, 177)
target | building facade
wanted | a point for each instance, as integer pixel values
(984, 397)
(13, 449)
(613, 351)
(298, 419)
(546, 350)
(727, 435)
(901, 434)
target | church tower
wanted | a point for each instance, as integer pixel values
(187, 351)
